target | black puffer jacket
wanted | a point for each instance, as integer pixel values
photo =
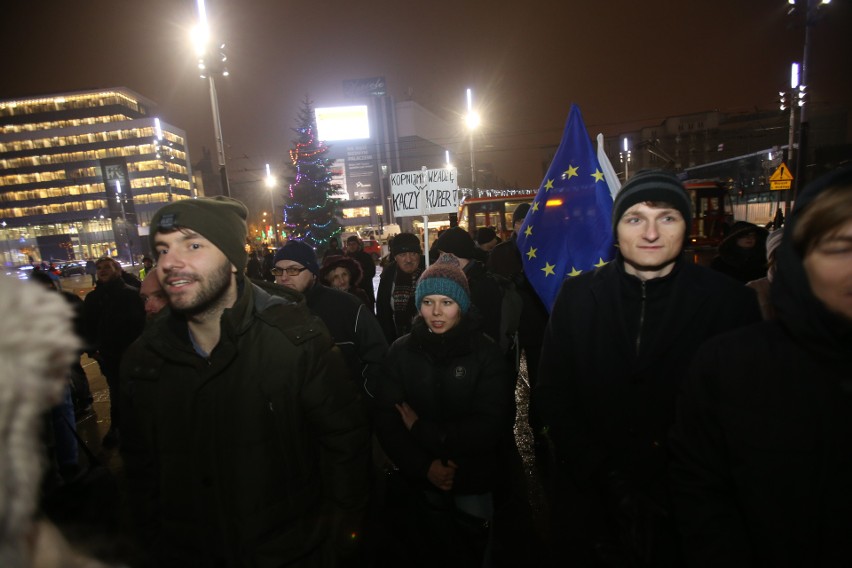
(254, 456)
(458, 384)
(762, 464)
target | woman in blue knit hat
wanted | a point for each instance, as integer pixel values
(443, 412)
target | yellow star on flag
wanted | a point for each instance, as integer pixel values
(528, 230)
(531, 253)
(549, 185)
(571, 171)
(598, 175)
(575, 272)
(535, 206)
(548, 269)
(600, 263)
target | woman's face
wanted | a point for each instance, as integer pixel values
(441, 313)
(829, 269)
(338, 278)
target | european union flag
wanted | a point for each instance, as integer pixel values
(568, 229)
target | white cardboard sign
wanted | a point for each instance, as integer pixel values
(427, 192)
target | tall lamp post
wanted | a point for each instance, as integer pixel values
(210, 64)
(796, 98)
(270, 183)
(625, 157)
(812, 16)
(472, 120)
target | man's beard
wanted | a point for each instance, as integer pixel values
(213, 290)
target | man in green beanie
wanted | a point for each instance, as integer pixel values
(244, 443)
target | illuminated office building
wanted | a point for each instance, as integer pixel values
(82, 173)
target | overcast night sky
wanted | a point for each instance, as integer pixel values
(625, 63)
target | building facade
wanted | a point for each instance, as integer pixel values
(82, 173)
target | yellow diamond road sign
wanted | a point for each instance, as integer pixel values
(781, 178)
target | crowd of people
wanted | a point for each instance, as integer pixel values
(682, 415)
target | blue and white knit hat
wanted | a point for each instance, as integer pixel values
(444, 278)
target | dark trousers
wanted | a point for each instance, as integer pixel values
(110, 365)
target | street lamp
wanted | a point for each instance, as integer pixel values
(270, 183)
(472, 120)
(812, 16)
(625, 157)
(209, 66)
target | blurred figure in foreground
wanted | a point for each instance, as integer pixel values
(761, 461)
(37, 347)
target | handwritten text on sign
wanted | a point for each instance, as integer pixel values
(427, 192)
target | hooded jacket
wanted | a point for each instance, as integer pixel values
(254, 456)
(761, 446)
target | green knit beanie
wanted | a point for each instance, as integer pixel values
(220, 220)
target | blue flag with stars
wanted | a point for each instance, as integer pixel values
(568, 229)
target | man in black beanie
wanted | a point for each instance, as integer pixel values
(244, 443)
(352, 325)
(616, 348)
(395, 298)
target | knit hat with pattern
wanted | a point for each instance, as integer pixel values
(445, 278)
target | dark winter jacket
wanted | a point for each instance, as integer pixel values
(486, 297)
(458, 385)
(761, 463)
(615, 352)
(255, 456)
(113, 317)
(368, 268)
(742, 264)
(384, 307)
(355, 331)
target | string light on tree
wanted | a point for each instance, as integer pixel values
(311, 211)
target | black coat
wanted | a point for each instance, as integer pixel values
(368, 272)
(611, 366)
(384, 308)
(458, 384)
(355, 331)
(761, 463)
(113, 317)
(254, 456)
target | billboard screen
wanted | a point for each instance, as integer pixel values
(343, 123)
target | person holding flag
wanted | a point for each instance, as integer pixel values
(617, 345)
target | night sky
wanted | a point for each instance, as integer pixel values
(627, 64)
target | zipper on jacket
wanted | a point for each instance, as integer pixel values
(641, 319)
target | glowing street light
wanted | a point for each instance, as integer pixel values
(472, 120)
(209, 66)
(270, 183)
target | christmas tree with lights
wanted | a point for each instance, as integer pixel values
(310, 206)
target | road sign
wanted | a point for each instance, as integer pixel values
(780, 178)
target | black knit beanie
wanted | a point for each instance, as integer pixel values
(405, 242)
(220, 220)
(652, 185)
(456, 241)
(300, 252)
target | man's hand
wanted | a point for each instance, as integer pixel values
(409, 417)
(441, 476)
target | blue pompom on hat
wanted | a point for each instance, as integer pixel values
(444, 278)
